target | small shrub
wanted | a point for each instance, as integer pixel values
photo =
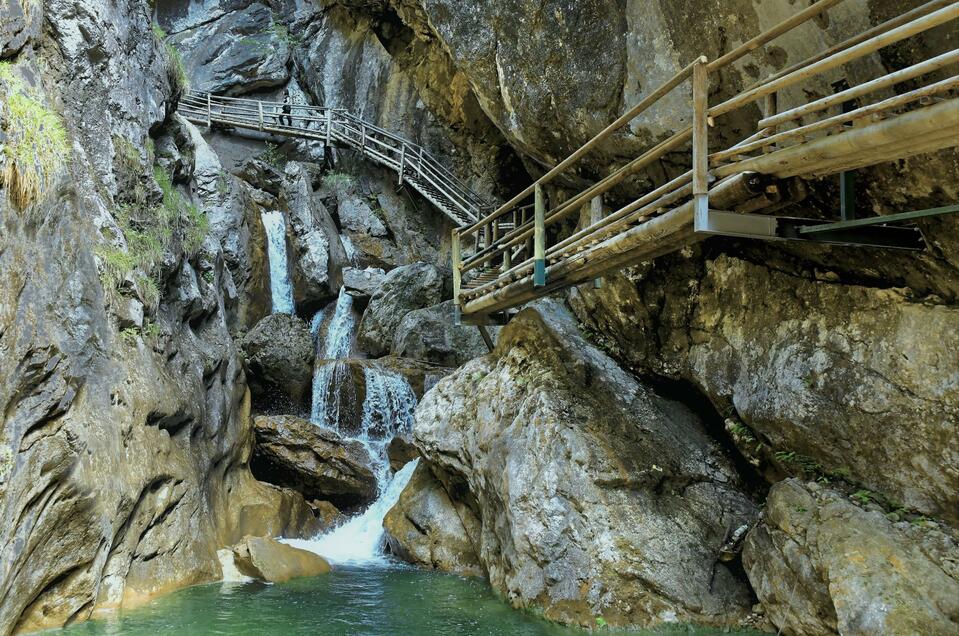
(273, 156)
(151, 330)
(130, 335)
(337, 181)
(177, 70)
(864, 496)
(36, 142)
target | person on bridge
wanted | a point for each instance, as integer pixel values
(286, 108)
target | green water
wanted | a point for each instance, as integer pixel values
(370, 601)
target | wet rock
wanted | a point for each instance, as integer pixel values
(279, 356)
(431, 334)
(329, 514)
(425, 528)
(318, 255)
(362, 283)
(237, 52)
(312, 460)
(589, 487)
(405, 288)
(821, 564)
(269, 560)
(400, 452)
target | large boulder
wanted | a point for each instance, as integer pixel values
(318, 255)
(312, 460)
(425, 528)
(362, 283)
(821, 564)
(405, 289)
(279, 356)
(595, 496)
(235, 52)
(431, 334)
(269, 560)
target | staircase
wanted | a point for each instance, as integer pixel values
(334, 126)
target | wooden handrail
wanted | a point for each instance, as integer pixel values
(429, 176)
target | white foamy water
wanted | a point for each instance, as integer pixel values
(360, 540)
(281, 288)
(327, 376)
(387, 412)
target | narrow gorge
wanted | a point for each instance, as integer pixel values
(507, 317)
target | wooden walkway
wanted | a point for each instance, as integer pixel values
(334, 126)
(540, 242)
(536, 244)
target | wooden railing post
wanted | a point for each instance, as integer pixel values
(329, 127)
(770, 108)
(209, 111)
(402, 161)
(700, 142)
(507, 254)
(259, 110)
(539, 238)
(595, 216)
(457, 272)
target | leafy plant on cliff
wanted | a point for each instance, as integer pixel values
(177, 70)
(274, 156)
(337, 182)
(36, 141)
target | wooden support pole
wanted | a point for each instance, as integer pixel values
(209, 111)
(259, 112)
(700, 140)
(770, 108)
(486, 337)
(457, 268)
(402, 161)
(539, 238)
(329, 127)
(595, 216)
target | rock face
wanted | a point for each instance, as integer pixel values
(430, 334)
(243, 50)
(595, 496)
(269, 560)
(814, 367)
(362, 283)
(312, 460)
(404, 289)
(425, 528)
(820, 564)
(279, 355)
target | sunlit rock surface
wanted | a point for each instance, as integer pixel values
(821, 564)
(594, 496)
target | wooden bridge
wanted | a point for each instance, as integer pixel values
(536, 244)
(532, 246)
(336, 126)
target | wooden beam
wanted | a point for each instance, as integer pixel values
(539, 238)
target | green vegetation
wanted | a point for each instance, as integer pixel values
(151, 232)
(283, 34)
(337, 181)
(36, 141)
(177, 70)
(274, 156)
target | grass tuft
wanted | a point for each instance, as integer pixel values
(36, 142)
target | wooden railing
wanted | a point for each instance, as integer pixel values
(411, 161)
(517, 247)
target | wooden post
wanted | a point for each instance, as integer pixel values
(362, 136)
(488, 235)
(329, 126)
(259, 111)
(700, 142)
(595, 216)
(539, 238)
(770, 107)
(508, 254)
(209, 111)
(457, 273)
(402, 161)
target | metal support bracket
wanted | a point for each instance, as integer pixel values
(779, 228)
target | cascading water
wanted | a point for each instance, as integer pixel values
(281, 288)
(327, 375)
(387, 411)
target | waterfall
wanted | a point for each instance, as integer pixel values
(328, 374)
(387, 411)
(360, 540)
(281, 288)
